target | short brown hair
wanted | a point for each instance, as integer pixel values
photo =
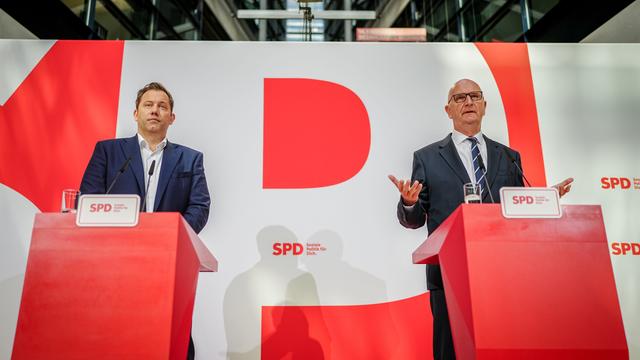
(154, 86)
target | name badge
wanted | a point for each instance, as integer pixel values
(108, 210)
(531, 202)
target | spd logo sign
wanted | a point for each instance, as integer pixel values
(619, 183)
(625, 248)
(287, 248)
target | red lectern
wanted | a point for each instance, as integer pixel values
(528, 288)
(108, 292)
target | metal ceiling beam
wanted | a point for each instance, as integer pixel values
(295, 14)
(389, 12)
(237, 30)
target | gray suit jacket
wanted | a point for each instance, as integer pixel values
(439, 168)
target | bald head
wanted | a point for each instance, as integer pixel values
(466, 83)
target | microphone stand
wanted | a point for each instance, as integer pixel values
(484, 172)
(146, 191)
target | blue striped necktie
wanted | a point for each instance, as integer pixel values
(475, 156)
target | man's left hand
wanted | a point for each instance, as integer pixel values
(564, 187)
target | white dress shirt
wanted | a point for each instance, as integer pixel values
(463, 146)
(464, 151)
(148, 157)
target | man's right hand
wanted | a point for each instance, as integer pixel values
(408, 191)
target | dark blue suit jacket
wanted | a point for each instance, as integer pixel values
(182, 186)
(439, 168)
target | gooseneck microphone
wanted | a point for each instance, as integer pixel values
(484, 172)
(146, 191)
(513, 160)
(122, 170)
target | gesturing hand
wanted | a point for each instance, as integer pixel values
(564, 186)
(408, 191)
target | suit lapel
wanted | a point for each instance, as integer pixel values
(494, 154)
(450, 154)
(170, 158)
(131, 148)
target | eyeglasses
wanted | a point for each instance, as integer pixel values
(462, 97)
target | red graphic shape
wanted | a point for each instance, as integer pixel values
(394, 330)
(50, 124)
(509, 64)
(316, 133)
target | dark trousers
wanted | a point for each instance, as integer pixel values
(442, 340)
(191, 351)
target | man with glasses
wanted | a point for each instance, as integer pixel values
(435, 188)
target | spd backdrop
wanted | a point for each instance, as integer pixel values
(298, 141)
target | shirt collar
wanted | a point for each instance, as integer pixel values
(458, 137)
(144, 145)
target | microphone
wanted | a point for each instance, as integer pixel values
(484, 171)
(146, 191)
(513, 160)
(122, 170)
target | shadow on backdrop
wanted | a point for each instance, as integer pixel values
(272, 282)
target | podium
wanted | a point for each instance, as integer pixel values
(109, 292)
(528, 288)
